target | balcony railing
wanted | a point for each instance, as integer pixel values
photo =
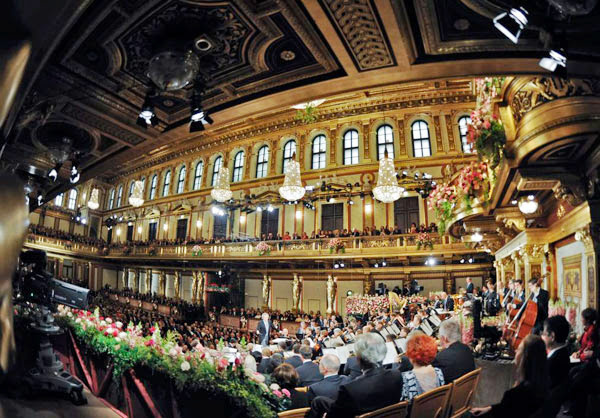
(376, 246)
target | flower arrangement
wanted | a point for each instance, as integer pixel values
(566, 309)
(199, 370)
(263, 248)
(152, 250)
(196, 250)
(284, 397)
(356, 304)
(215, 288)
(467, 329)
(485, 132)
(442, 200)
(424, 240)
(337, 245)
(307, 115)
(473, 179)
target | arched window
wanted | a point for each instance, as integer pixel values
(111, 199)
(131, 188)
(262, 162)
(420, 139)
(289, 149)
(216, 168)
(238, 166)
(319, 152)
(198, 175)
(385, 141)
(72, 199)
(181, 180)
(119, 196)
(167, 183)
(153, 185)
(351, 147)
(463, 122)
(58, 201)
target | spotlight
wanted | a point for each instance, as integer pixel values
(83, 221)
(462, 261)
(78, 218)
(40, 199)
(513, 202)
(556, 58)
(120, 218)
(74, 173)
(349, 293)
(336, 265)
(476, 237)
(384, 263)
(259, 209)
(129, 223)
(430, 261)
(512, 23)
(220, 273)
(198, 119)
(350, 202)
(270, 208)
(53, 173)
(342, 265)
(147, 115)
(404, 174)
(329, 199)
(470, 260)
(376, 265)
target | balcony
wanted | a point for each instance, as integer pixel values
(368, 247)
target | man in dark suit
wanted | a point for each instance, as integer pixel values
(295, 359)
(265, 362)
(329, 386)
(448, 302)
(541, 297)
(308, 371)
(556, 331)
(263, 329)
(352, 368)
(456, 359)
(470, 286)
(376, 388)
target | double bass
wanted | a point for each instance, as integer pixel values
(522, 324)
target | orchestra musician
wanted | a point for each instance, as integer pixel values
(470, 286)
(541, 297)
(519, 296)
(508, 295)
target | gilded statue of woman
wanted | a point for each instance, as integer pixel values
(266, 288)
(296, 289)
(330, 293)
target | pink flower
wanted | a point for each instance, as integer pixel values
(152, 329)
(286, 392)
(115, 333)
(487, 124)
(149, 343)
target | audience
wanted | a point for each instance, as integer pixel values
(531, 384)
(456, 359)
(554, 334)
(589, 338)
(287, 378)
(329, 386)
(309, 372)
(421, 351)
(376, 388)
(295, 359)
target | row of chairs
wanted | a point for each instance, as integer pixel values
(448, 401)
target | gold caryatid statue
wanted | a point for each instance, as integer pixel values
(162, 284)
(195, 280)
(296, 291)
(135, 280)
(331, 288)
(266, 289)
(176, 283)
(148, 281)
(201, 284)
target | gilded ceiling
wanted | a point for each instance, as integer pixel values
(87, 78)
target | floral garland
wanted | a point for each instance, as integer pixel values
(196, 250)
(337, 245)
(473, 179)
(213, 287)
(442, 200)
(356, 304)
(566, 309)
(424, 240)
(467, 327)
(263, 248)
(485, 132)
(199, 370)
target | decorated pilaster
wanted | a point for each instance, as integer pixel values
(296, 292)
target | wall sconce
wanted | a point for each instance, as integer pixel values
(118, 231)
(368, 208)
(139, 229)
(528, 205)
(242, 219)
(165, 227)
(198, 224)
(298, 214)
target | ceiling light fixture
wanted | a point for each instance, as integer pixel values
(387, 189)
(556, 58)
(470, 260)
(137, 196)
(147, 115)
(476, 237)
(74, 178)
(528, 204)
(462, 261)
(94, 202)
(221, 192)
(292, 183)
(512, 23)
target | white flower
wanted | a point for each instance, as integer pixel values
(185, 366)
(274, 386)
(117, 347)
(119, 324)
(108, 321)
(118, 340)
(102, 323)
(78, 320)
(122, 335)
(173, 352)
(70, 314)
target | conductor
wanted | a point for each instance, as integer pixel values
(264, 329)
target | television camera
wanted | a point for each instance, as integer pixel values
(35, 288)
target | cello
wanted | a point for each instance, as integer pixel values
(521, 325)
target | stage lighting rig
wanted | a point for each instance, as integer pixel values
(147, 115)
(512, 23)
(198, 116)
(53, 173)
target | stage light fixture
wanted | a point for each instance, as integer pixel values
(462, 261)
(350, 202)
(556, 58)
(513, 202)
(147, 115)
(470, 260)
(342, 265)
(74, 173)
(512, 23)
(198, 117)
(336, 265)
(53, 173)
(384, 263)
(349, 293)
(83, 221)
(376, 265)
(270, 208)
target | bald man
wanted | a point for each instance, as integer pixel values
(329, 386)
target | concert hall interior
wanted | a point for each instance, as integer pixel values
(300, 208)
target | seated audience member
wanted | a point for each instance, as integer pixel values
(554, 334)
(456, 358)
(329, 386)
(265, 362)
(531, 385)
(250, 369)
(375, 389)
(421, 351)
(589, 339)
(295, 359)
(287, 378)
(352, 368)
(276, 360)
(308, 371)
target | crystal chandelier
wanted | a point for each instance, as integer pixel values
(93, 203)
(221, 192)
(387, 189)
(137, 196)
(292, 189)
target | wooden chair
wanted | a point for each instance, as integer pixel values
(302, 389)
(294, 413)
(397, 410)
(463, 391)
(432, 404)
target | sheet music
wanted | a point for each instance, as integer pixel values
(400, 344)
(384, 332)
(396, 329)
(435, 320)
(390, 356)
(326, 343)
(329, 351)
(338, 340)
(350, 348)
(343, 353)
(426, 328)
(390, 330)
